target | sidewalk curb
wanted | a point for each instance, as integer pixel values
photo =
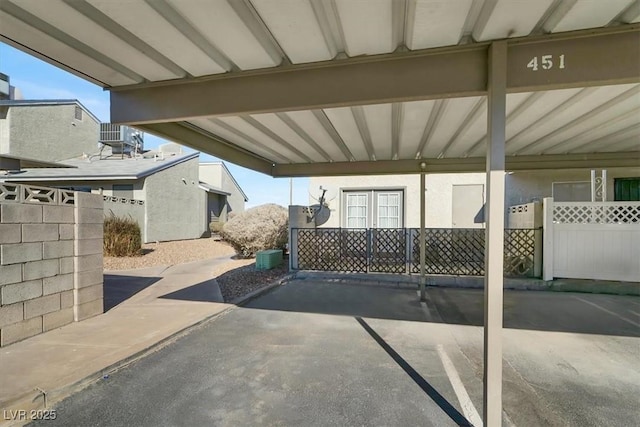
(474, 282)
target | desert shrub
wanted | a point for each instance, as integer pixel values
(216, 227)
(257, 229)
(121, 236)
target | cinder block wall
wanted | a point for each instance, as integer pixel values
(50, 259)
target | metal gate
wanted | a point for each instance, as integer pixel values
(458, 251)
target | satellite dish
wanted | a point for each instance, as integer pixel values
(320, 214)
(325, 194)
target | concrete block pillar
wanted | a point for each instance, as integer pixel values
(87, 256)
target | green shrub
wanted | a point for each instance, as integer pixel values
(121, 237)
(216, 227)
(257, 229)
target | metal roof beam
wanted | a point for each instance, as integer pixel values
(478, 109)
(357, 81)
(271, 134)
(64, 38)
(434, 118)
(248, 14)
(633, 92)
(521, 108)
(632, 131)
(554, 14)
(326, 13)
(569, 144)
(536, 124)
(302, 134)
(397, 115)
(363, 128)
(243, 136)
(321, 116)
(104, 21)
(631, 13)
(579, 59)
(172, 16)
(199, 139)
(470, 164)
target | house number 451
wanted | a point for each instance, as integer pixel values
(546, 62)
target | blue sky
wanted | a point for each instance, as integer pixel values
(39, 80)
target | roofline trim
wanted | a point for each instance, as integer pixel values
(36, 102)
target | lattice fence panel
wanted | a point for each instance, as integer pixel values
(596, 213)
(388, 251)
(328, 249)
(456, 251)
(461, 251)
(519, 252)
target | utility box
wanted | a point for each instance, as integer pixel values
(266, 260)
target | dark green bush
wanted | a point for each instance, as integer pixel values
(121, 237)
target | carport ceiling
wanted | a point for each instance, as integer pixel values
(321, 87)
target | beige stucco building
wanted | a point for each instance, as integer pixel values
(453, 200)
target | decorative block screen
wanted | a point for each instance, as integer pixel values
(20, 193)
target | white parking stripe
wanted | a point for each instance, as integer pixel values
(609, 311)
(468, 409)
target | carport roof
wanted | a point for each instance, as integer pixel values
(309, 87)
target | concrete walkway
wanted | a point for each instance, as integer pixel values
(168, 300)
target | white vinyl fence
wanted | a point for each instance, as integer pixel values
(592, 240)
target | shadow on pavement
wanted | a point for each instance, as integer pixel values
(439, 399)
(206, 291)
(534, 310)
(119, 288)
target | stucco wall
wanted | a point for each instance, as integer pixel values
(216, 175)
(438, 198)
(235, 202)
(127, 210)
(175, 204)
(4, 130)
(57, 136)
(524, 187)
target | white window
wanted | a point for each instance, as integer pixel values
(357, 210)
(373, 209)
(388, 210)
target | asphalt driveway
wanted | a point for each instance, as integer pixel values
(319, 353)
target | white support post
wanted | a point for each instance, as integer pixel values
(494, 239)
(422, 240)
(547, 238)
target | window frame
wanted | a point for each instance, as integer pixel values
(372, 205)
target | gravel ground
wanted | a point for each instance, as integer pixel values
(236, 278)
(245, 279)
(170, 253)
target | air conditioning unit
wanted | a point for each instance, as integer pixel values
(121, 139)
